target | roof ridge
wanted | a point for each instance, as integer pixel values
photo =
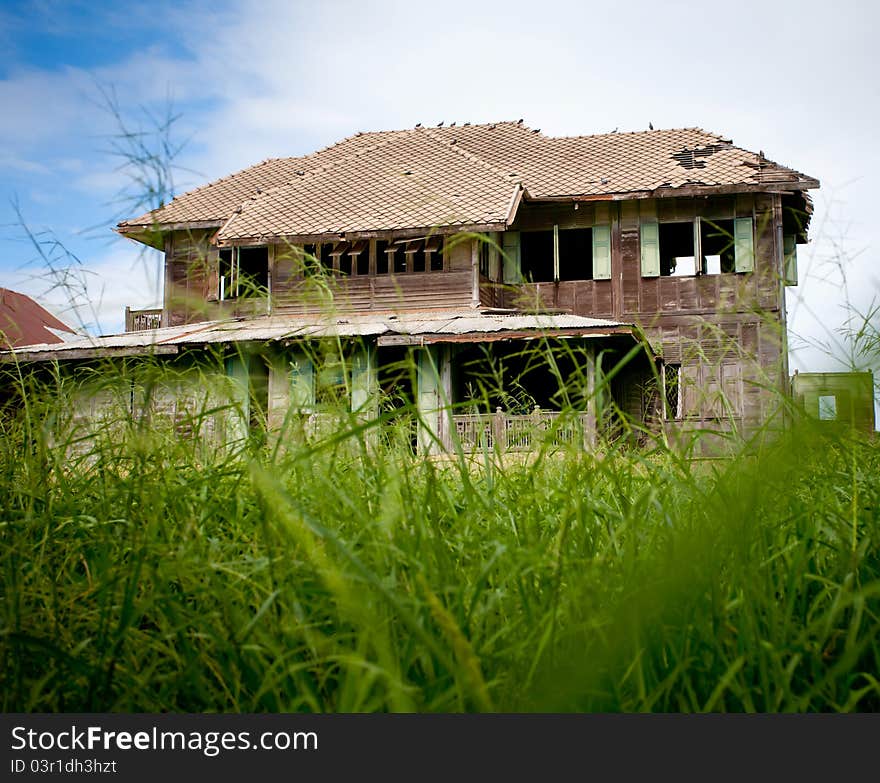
(472, 156)
(617, 134)
(310, 173)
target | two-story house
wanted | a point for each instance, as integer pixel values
(475, 249)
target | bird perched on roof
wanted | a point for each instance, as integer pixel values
(452, 124)
(418, 125)
(440, 124)
(650, 126)
(519, 121)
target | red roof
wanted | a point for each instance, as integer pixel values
(24, 322)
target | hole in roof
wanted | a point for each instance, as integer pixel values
(692, 158)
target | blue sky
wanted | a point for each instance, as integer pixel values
(252, 80)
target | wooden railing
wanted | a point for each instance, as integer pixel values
(523, 432)
(142, 320)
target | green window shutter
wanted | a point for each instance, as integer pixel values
(789, 252)
(428, 397)
(601, 252)
(237, 371)
(743, 245)
(363, 380)
(555, 254)
(302, 382)
(650, 236)
(510, 245)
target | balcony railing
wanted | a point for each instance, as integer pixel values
(523, 432)
(142, 320)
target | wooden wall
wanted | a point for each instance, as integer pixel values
(191, 284)
(726, 330)
(190, 277)
(685, 318)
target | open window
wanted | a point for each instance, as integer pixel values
(697, 247)
(434, 253)
(717, 246)
(383, 263)
(677, 252)
(558, 254)
(360, 258)
(576, 254)
(243, 272)
(484, 258)
(342, 259)
(536, 256)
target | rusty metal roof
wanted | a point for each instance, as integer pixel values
(471, 325)
(456, 176)
(24, 322)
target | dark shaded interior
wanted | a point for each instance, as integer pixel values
(536, 256)
(576, 254)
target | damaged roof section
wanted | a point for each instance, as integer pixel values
(467, 175)
(472, 326)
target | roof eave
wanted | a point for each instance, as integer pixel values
(807, 183)
(153, 234)
(397, 233)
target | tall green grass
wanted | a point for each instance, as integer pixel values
(141, 573)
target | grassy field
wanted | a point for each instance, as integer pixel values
(347, 576)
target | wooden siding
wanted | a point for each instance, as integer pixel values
(190, 277)
(415, 291)
(726, 330)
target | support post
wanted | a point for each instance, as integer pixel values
(434, 398)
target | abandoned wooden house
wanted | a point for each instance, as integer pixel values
(514, 268)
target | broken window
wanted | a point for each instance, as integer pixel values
(243, 271)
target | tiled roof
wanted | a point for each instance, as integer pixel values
(461, 175)
(407, 179)
(216, 201)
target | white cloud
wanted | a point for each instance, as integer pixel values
(93, 295)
